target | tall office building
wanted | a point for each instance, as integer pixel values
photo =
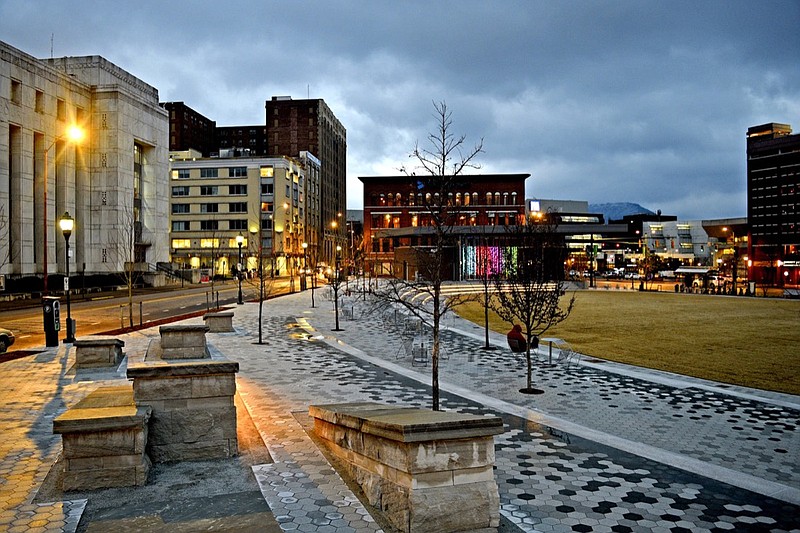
(295, 126)
(113, 182)
(189, 130)
(773, 196)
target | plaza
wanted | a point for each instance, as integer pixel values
(607, 447)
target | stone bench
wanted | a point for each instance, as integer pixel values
(427, 471)
(104, 438)
(219, 322)
(98, 350)
(194, 416)
(184, 341)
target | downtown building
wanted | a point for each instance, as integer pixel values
(259, 200)
(396, 223)
(305, 131)
(113, 182)
(773, 197)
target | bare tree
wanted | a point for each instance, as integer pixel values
(486, 267)
(529, 289)
(5, 251)
(263, 281)
(122, 247)
(435, 174)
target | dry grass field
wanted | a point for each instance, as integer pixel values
(753, 342)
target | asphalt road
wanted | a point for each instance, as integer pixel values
(112, 311)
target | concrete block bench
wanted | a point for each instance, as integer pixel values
(104, 438)
(98, 350)
(184, 341)
(219, 322)
(427, 471)
(194, 416)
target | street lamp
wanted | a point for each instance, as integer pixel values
(336, 281)
(239, 242)
(303, 282)
(73, 134)
(67, 223)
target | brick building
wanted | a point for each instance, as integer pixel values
(397, 220)
(295, 126)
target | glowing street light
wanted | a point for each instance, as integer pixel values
(75, 135)
(67, 224)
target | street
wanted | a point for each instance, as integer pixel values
(106, 313)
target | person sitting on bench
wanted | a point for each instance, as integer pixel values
(516, 339)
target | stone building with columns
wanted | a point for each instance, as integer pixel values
(113, 182)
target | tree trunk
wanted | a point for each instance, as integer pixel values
(435, 351)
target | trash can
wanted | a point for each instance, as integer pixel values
(51, 314)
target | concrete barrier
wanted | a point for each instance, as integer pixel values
(426, 471)
(219, 322)
(104, 439)
(98, 351)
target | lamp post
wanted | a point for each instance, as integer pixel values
(336, 280)
(73, 134)
(67, 223)
(256, 232)
(239, 242)
(735, 260)
(303, 282)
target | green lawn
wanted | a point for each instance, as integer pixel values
(753, 342)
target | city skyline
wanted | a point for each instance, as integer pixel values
(646, 103)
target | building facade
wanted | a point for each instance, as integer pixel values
(214, 200)
(113, 182)
(773, 196)
(295, 126)
(397, 220)
(189, 130)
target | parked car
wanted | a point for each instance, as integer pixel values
(6, 339)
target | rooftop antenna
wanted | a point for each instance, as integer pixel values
(308, 91)
(51, 45)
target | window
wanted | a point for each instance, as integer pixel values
(266, 224)
(209, 173)
(237, 172)
(16, 92)
(183, 174)
(266, 207)
(39, 103)
(209, 243)
(180, 225)
(209, 208)
(207, 225)
(181, 243)
(267, 171)
(209, 190)
(237, 189)
(180, 208)
(180, 191)
(267, 188)
(237, 207)
(237, 224)
(61, 109)
(288, 191)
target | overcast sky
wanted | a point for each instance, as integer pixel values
(603, 101)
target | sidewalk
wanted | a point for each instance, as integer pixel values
(606, 448)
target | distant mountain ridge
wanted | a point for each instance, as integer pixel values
(618, 210)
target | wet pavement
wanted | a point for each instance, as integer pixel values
(607, 447)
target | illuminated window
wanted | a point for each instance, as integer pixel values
(209, 243)
(267, 171)
(181, 243)
(414, 220)
(233, 244)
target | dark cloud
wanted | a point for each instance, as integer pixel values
(616, 101)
